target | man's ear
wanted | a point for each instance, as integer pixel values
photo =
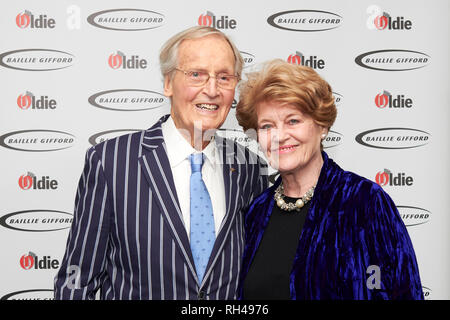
(168, 90)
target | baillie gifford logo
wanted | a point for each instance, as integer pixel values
(381, 20)
(305, 20)
(30, 101)
(393, 60)
(120, 60)
(27, 20)
(387, 178)
(37, 140)
(126, 19)
(218, 22)
(393, 138)
(311, 61)
(36, 59)
(387, 100)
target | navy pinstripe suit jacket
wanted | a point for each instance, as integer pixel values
(128, 237)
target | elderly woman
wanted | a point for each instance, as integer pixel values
(319, 232)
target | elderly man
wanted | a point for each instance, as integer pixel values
(158, 213)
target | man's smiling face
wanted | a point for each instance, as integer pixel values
(205, 107)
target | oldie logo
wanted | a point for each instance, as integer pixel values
(37, 140)
(381, 20)
(393, 138)
(305, 20)
(26, 19)
(120, 60)
(37, 220)
(32, 261)
(30, 181)
(110, 134)
(127, 100)
(36, 59)
(126, 19)
(31, 294)
(393, 60)
(29, 101)
(309, 61)
(219, 22)
(413, 216)
(332, 139)
(387, 100)
(387, 178)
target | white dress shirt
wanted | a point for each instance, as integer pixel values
(178, 152)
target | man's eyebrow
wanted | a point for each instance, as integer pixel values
(204, 70)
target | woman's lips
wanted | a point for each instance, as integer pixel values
(287, 148)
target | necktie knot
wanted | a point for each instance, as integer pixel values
(196, 162)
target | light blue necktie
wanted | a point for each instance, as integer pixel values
(202, 219)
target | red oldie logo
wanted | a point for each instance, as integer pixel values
(385, 21)
(312, 61)
(382, 100)
(24, 101)
(295, 58)
(31, 260)
(27, 19)
(27, 261)
(120, 60)
(27, 100)
(30, 181)
(381, 22)
(222, 22)
(23, 19)
(115, 60)
(205, 19)
(387, 100)
(382, 178)
(386, 177)
(26, 181)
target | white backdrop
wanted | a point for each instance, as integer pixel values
(62, 89)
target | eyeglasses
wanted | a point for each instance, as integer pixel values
(200, 78)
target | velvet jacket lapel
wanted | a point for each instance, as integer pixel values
(261, 217)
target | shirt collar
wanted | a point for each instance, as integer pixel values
(178, 149)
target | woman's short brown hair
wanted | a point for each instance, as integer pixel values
(288, 83)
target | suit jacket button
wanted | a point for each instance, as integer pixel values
(201, 295)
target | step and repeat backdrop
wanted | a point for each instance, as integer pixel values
(74, 73)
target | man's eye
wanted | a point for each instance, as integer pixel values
(224, 78)
(195, 74)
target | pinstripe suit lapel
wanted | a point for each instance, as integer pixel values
(158, 173)
(231, 177)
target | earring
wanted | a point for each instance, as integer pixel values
(323, 136)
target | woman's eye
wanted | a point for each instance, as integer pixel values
(265, 127)
(294, 121)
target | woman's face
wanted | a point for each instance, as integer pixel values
(289, 138)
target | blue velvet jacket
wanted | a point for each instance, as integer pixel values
(353, 245)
